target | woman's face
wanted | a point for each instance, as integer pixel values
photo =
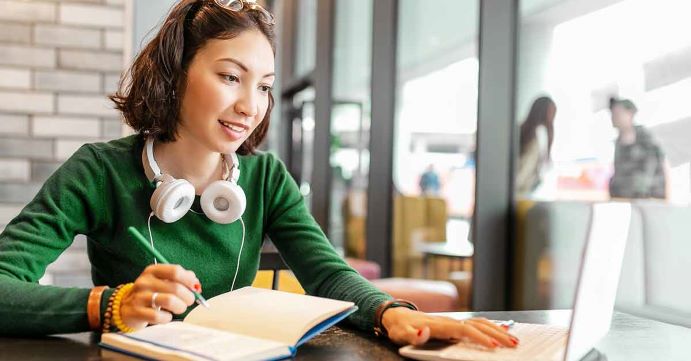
(227, 92)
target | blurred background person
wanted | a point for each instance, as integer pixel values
(535, 145)
(429, 182)
(638, 160)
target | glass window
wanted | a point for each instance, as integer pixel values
(436, 122)
(306, 42)
(636, 52)
(301, 147)
(350, 124)
(603, 115)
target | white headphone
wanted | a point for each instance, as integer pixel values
(223, 201)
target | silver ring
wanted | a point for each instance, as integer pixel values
(153, 301)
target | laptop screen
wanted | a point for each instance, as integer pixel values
(598, 277)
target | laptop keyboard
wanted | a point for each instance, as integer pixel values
(537, 343)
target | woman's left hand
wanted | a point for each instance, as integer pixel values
(405, 326)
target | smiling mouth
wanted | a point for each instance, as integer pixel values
(234, 127)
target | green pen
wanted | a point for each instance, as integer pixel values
(138, 236)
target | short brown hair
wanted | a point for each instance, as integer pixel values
(626, 103)
(149, 101)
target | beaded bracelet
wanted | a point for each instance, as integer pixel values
(107, 316)
(112, 314)
(117, 302)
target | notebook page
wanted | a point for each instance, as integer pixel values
(177, 340)
(280, 316)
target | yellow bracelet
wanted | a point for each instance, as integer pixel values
(108, 315)
(117, 301)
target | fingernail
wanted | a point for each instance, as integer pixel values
(514, 340)
(197, 287)
(419, 332)
(495, 343)
(505, 327)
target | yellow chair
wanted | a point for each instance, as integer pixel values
(416, 219)
(286, 281)
(522, 208)
(274, 273)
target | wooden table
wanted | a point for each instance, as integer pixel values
(630, 339)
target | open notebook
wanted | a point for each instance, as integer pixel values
(246, 324)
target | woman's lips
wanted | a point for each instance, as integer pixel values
(234, 131)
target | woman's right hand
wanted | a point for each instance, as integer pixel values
(171, 285)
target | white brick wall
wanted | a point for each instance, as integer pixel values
(67, 36)
(7, 212)
(69, 81)
(58, 60)
(65, 148)
(91, 60)
(22, 55)
(11, 124)
(68, 127)
(15, 33)
(83, 104)
(110, 82)
(33, 11)
(27, 102)
(15, 169)
(15, 78)
(113, 39)
(91, 15)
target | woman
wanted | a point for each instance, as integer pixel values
(200, 92)
(535, 144)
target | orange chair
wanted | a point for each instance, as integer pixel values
(428, 295)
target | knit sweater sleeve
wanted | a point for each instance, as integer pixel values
(69, 203)
(308, 253)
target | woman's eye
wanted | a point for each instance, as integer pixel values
(265, 88)
(230, 78)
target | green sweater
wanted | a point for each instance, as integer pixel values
(102, 189)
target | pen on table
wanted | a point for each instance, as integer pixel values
(138, 236)
(506, 324)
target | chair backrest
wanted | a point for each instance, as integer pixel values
(415, 216)
(270, 260)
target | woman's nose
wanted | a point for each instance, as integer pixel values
(246, 104)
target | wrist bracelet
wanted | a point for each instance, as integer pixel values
(93, 307)
(379, 329)
(108, 315)
(117, 302)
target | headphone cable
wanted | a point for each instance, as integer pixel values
(242, 243)
(151, 238)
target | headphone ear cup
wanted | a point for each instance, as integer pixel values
(172, 199)
(223, 202)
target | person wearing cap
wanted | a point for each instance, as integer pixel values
(639, 170)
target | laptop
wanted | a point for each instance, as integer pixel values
(593, 305)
